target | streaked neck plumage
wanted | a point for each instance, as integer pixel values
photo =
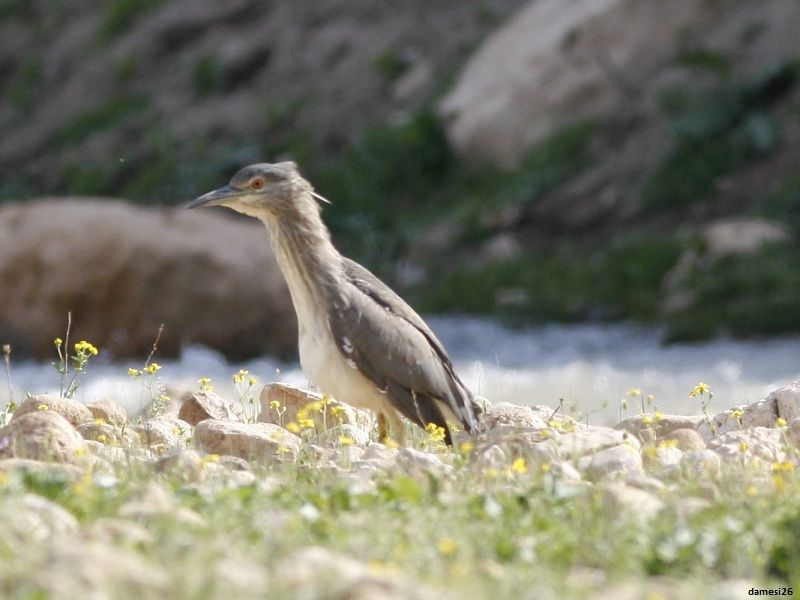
(307, 258)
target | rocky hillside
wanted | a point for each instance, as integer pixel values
(504, 157)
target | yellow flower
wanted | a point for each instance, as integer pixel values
(205, 384)
(553, 424)
(346, 441)
(152, 368)
(274, 404)
(780, 422)
(101, 438)
(743, 446)
(43, 407)
(84, 347)
(211, 458)
(446, 546)
(239, 377)
(657, 416)
(466, 447)
(306, 423)
(519, 466)
(783, 467)
(700, 389)
(252, 381)
(293, 427)
(58, 341)
(737, 413)
(647, 420)
(545, 467)
(673, 443)
(650, 398)
(390, 443)
(634, 392)
(134, 372)
(436, 433)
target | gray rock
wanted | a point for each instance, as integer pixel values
(199, 406)
(506, 414)
(686, 439)
(619, 461)
(622, 498)
(32, 518)
(108, 410)
(263, 442)
(43, 435)
(295, 404)
(662, 426)
(762, 443)
(72, 410)
(163, 432)
(106, 433)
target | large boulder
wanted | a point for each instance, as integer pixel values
(122, 270)
(558, 62)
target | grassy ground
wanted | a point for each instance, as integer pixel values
(512, 531)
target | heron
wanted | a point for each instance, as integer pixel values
(359, 342)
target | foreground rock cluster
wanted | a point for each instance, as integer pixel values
(629, 463)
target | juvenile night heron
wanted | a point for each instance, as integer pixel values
(359, 341)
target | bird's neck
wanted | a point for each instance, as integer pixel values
(310, 264)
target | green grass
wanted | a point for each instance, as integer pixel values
(474, 533)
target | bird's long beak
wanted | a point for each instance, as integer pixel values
(215, 198)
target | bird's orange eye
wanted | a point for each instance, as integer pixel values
(257, 183)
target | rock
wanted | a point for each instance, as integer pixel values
(416, 461)
(41, 469)
(106, 433)
(741, 236)
(703, 461)
(661, 457)
(504, 413)
(686, 439)
(661, 425)
(622, 498)
(31, 517)
(205, 405)
(333, 437)
(621, 460)
(251, 441)
(108, 410)
(296, 404)
(43, 435)
(760, 442)
(140, 257)
(183, 463)
(119, 532)
(590, 60)
(153, 501)
(783, 402)
(163, 432)
(72, 410)
(584, 442)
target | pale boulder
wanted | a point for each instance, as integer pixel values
(122, 270)
(282, 403)
(43, 435)
(108, 410)
(199, 406)
(265, 442)
(72, 410)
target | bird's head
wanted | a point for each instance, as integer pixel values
(261, 189)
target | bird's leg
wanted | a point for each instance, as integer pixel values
(388, 424)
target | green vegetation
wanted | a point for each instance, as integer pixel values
(745, 295)
(782, 204)
(89, 122)
(119, 15)
(22, 90)
(621, 281)
(208, 75)
(390, 65)
(716, 132)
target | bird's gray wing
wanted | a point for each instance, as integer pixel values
(391, 345)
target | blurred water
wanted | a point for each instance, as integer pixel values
(589, 366)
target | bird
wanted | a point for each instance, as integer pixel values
(359, 342)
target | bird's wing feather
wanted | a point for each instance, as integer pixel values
(406, 359)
